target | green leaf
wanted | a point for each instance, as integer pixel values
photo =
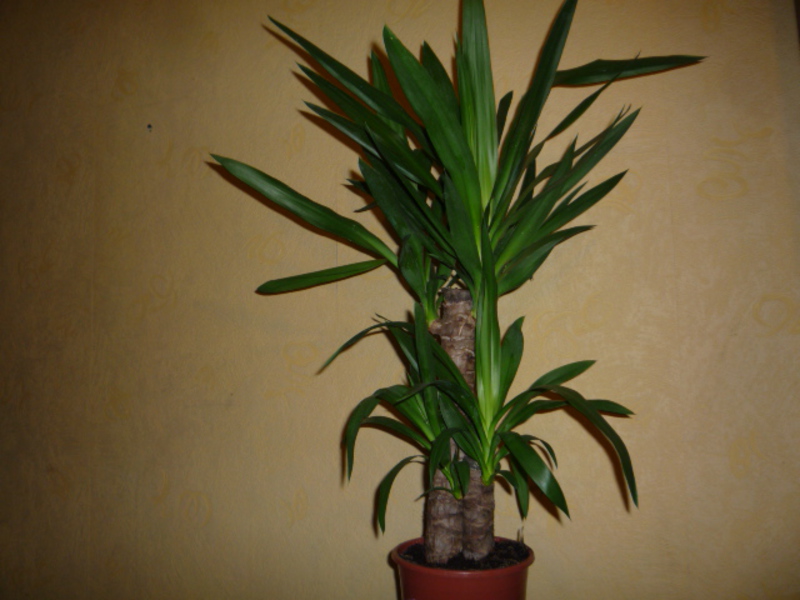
(600, 71)
(413, 266)
(579, 110)
(407, 214)
(476, 92)
(442, 126)
(609, 406)
(377, 100)
(401, 159)
(488, 358)
(535, 467)
(440, 77)
(566, 213)
(314, 214)
(356, 338)
(399, 428)
(580, 404)
(381, 82)
(511, 355)
(462, 472)
(440, 452)
(519, 481)
(562, 374)
(523, 409)
(464, 429)
(362, 410)
(299, 282)
(529, 216)
(463, 397)
(517, 142)
(531, 258)
(502, 112)
(385, 488)
(460, 225)
(355, 132)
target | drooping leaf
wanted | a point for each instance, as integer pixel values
(385, 488)
(398, 427)
(358, 337)
(523, 409)
(535, 467)
(362, 410)
(611, 407)
(580, 404)
(519, 482)
(314, 214)
(300, 282)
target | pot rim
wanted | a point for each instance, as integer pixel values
(486, 573)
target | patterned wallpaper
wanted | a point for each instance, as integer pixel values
(163, 430)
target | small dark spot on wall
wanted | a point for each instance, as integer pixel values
(149, 128)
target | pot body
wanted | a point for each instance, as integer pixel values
(425, 583)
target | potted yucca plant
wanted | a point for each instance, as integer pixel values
(472, 214)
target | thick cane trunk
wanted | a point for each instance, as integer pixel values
(444, 523)
(451, 525)
(478, 504)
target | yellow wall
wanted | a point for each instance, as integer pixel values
(164, 433)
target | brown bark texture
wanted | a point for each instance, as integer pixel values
(465, 525)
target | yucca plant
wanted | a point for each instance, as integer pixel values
(472, 215)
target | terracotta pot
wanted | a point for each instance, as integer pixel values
(425, 583)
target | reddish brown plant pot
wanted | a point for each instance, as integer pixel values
(425, 583)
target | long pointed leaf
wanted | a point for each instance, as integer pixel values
(476, 92)
(385, 488)
(580, 404)
(440, 77)
(600, 71)
(307, 280)
(377, 100)
(535, 467)
(446, 133)
(314, 214)
(511, 351)
(516, 144)
(562, 374)
(362, 410)
(502, 112)
(399, 428)
(530, 259)
(566, 213)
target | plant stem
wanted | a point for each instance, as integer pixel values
(453, 525)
